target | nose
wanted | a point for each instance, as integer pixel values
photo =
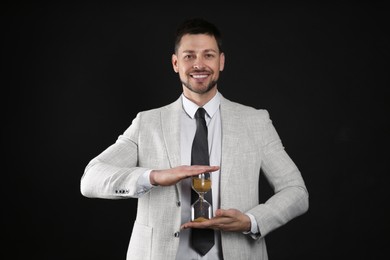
(198, 64)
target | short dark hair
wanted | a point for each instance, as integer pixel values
(197, 26)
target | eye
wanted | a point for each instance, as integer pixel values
(209, 55)
(188, 56)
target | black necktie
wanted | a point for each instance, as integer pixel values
(202, 240)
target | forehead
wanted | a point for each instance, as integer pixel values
(197, 43)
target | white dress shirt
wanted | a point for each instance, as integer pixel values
(188, 126)
(188, 129)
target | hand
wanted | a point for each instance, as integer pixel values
(172, 176)
(224, 220)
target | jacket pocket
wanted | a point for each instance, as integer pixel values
(140, 245)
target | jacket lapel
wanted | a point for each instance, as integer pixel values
(170, 121)
(230, 133)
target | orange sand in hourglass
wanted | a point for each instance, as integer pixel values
(201, 186)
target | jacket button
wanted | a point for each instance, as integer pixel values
(178, 203)
(177, 234)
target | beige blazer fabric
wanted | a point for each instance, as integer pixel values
(152, 141)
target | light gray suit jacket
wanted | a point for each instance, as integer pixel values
(249, 143)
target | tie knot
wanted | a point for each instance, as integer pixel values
(200, 113)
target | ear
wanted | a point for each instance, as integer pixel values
(221, 61)
(174, 63)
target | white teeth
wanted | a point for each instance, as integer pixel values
(199, 76)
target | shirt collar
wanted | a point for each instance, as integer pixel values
(211, 107)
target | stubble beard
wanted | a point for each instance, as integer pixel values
(209, 87)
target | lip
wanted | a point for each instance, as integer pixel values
(200, 78)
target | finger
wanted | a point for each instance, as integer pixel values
(219, 212)
(228, 213)
(213, 223)
(198, 169)
(194, 225)
(213, 168)
(210, 225)
(224, 213)
(205, 168)
(204, 224)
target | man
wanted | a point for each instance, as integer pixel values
(152, 161)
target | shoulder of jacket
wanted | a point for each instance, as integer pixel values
(245, 110)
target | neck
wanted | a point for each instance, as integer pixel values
(200, 99)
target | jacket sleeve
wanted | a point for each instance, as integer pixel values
(290, 197)
(114, 173)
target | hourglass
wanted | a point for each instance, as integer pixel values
(201, 210)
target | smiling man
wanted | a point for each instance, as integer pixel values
(153, 161)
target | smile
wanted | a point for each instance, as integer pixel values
(200, 76)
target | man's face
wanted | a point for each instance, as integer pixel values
(198, 62)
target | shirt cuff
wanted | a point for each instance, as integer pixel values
(254, 228)
(143, 183)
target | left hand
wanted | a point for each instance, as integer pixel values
(224, 220)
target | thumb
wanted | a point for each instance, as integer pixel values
(220, 212)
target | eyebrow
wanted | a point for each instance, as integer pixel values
(207, 50)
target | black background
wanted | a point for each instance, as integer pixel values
(75, 75)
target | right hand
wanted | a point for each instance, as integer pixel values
(174, 175)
